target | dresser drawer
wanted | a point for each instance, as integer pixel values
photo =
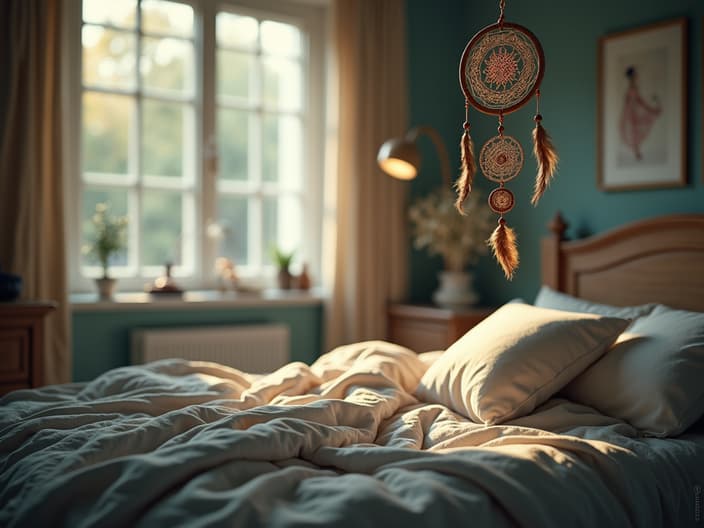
(22, 343)
(15, 356)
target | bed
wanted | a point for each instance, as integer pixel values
(373, 433)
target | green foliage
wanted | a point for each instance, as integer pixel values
(161, 226)
(106, 121)
(282, 258)
(162, 139)
(233, 133)
(108, 118)
(108, 237)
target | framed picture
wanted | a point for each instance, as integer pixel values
(642, 107)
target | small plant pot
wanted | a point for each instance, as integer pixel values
(285, 279)
(106, 288)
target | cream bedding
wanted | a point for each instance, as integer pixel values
(343, 442)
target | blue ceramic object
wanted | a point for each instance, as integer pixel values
(10, 286)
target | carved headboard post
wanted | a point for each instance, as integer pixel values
(550, 252)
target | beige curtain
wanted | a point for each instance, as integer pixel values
(371, 246)
(31, 191)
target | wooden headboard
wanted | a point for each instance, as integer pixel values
(655, 260)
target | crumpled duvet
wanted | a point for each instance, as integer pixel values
(343, 442)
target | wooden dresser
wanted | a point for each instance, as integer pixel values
(22, 343)
(425, 327)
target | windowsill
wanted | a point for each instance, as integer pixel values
(89, 302)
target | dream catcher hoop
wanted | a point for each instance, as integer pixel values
(501, 69)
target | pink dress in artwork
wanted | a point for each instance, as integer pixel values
(637, 117)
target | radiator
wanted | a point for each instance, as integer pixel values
(250, 348)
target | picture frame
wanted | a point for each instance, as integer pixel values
(642, 107)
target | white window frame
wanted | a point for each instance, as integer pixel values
(311, 17)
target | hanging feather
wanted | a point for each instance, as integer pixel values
(503, 244)
(547, 158)
(469, 169)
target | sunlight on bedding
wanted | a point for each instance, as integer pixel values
(335, 440)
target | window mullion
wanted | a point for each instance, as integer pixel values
(109, 180)
(162, 95)
(254, 231)
(256, 207)
(136, 153)
(113, 90)
(189, 239)
(209, 167)
(255, 176)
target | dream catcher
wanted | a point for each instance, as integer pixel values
(500, 71)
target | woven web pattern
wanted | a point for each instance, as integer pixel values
(501, 158)
(502, 69)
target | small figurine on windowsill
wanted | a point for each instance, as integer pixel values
(229, 281)
(227, 276)
(165, 284)
(303, 281)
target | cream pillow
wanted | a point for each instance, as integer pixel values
(516, 359)
(653, 377)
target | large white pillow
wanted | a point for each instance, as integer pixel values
(653, 377)
(549, 298)
(515, 359)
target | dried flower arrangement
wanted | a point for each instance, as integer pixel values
(459, 239)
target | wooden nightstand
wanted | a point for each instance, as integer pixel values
(22, 344)
(425, 327)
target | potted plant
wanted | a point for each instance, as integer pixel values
(459, 239)
(283, 262)
(108, 239)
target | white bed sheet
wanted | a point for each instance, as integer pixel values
(343, 442)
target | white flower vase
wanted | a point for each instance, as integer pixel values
(456, 289)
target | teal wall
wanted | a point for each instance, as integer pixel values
(436, 35)
(569, 32)
(101, 339)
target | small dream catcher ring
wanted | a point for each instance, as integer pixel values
(501, 200)
(501, 159)
(501, 69)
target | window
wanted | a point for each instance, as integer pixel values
(259, 115)
(202, 124)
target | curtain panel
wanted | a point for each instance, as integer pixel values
(370, 241)
(32, 241)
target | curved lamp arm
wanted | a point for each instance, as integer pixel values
(434, 136)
